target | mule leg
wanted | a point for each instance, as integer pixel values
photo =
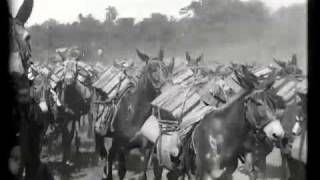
(262, 166)
(30, 139)
(90, 123)
(200, 175)
(122, 164)
(172, 175)
(249, 166)
(65, 142)
(157, 169)
(285, 167)
(147, 153)
(67, 136)
(111, 156)
(227, 174)
(77, 137)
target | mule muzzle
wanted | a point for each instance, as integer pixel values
(69, 78)
(43, 106)
(297, 129)
(15, 64)
(213, 174)
(23, 96)
(274, 130)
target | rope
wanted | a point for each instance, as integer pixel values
(301, 144)
(183, 106)
(159, 138)
(115, 102)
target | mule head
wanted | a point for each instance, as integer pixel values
(70, 71)
(193, 61)
(245, 78)
(224, 86)
(301, 116)
(262, 105)
(20, 40)
(70, 65)
(290, 67)
(146, 58)
(155, 69)
(39, 88)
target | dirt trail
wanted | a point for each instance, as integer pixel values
(90, 166)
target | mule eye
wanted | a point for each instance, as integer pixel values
(27, 37)
(257, 102)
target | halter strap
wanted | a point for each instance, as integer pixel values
(24, 50)
(253, 122)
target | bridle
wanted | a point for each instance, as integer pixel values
(113, 104)
(162, 67)
(23, 48)
(249, 117)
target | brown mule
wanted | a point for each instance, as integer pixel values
(135, 108)
(218, 138)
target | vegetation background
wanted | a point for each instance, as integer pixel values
(222, 30)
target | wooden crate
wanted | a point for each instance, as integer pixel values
(185, 98)
(262, 71)
(287, 89)
(113, 80)
(59, 72)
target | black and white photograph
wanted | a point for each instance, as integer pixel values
(158, 89)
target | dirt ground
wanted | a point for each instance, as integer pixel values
(88, 165)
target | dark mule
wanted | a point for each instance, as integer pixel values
(290, 67)
(218, 139)
(135, 108)
(193, 62)
(294, 120)
(39, 116)
(19, 61)
(256, 164)
(74, 98)
(196, 64)
(257, 145)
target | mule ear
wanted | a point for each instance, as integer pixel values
(131, 63)
(270, 81)
(142, 56)
(219, 68)
(249, 75)
(25, 11)
(233, 66)
(280, 63)
(171, 65)
(301, 94)
(294, 60)
(62, 56)
(199, 58)
(239, 79)
(161, 54)
(188, 57)
(116, 64)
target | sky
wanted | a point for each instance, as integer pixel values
(67, 11)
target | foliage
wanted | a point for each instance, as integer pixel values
(221, 29)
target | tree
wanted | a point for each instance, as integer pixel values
(111, 14)
(194, 7)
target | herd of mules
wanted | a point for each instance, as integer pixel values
(245, 127)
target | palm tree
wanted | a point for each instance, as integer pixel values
(194, 7)
(111, 14)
